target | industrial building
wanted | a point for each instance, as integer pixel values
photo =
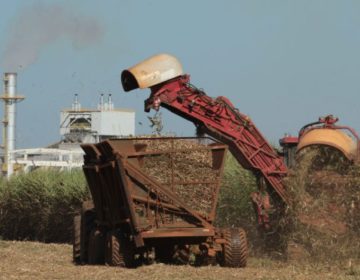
(77, 125)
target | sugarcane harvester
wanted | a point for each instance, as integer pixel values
(219, 118)
(136, 214)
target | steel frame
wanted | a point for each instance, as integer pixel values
(126, 197)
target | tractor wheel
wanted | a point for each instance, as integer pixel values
(120, 251)
(76, 239)
(96, 250)
(181, 254)
(235, 250)
(113, 256)
(87, 224)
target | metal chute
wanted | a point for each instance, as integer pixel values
(152, 71)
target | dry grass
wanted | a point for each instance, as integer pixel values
(31, 260)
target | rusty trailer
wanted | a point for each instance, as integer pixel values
(155, 199)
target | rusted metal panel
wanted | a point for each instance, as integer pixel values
(143, 187)
(185, 232)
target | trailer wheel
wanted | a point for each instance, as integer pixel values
(113, 256)
(96, 250)
(87, 224)
(120, 250)
(235, 250)
(181, 254)
(76, 239)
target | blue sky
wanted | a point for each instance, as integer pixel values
(283, 63)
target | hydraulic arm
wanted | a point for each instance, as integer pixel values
(219, 118)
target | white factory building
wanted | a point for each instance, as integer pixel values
(77, 126)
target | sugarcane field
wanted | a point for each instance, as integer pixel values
(221, 146)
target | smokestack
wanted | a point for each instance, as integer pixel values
(76, 106)
(101, 102)
(110, 103)
(10, 99)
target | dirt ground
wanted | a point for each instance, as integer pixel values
(32, 260)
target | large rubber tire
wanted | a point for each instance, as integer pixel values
(96, 250)
(235, 249)
(182, 254)
(88, 216)
(76, 239)
(120, 251)
(113, 256)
